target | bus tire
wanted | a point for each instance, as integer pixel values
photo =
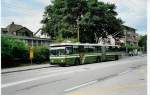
(62, 65)
(98, 59)
(77, 61)
(116, 57)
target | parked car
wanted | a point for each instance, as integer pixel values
(133, 53)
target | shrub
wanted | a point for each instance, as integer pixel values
(41, 54)
(12, 50)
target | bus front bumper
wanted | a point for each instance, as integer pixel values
(57, 60)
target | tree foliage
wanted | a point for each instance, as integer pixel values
(95, 19)
(143, 42)
(12, 49)
(15, 52)
(41, 54)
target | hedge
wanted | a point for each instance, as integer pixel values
(41, 54)
(12, 51)
(15, 52)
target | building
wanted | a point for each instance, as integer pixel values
(130, 36)
(39, 33)
(19, 32)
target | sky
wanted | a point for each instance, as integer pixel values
(29, 13)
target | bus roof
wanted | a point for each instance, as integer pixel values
(78, 44)
(57, 48)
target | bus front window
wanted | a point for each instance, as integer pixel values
(57, 51)
(69, 50)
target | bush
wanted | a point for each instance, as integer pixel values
(132, 47)
(41, 54)
(12, 51)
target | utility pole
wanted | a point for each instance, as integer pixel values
(126, 41)
(78, 30)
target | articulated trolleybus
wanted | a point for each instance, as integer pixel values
(77, 53)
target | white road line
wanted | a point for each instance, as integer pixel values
(79, 86)
(38, 78)
(56, 71)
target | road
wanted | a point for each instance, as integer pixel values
(78, 80)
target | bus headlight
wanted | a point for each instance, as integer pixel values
(62, 60)
(52, 60)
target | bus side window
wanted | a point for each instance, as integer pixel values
(69, 50)
(91, 49)
(75, 49)
(107, 48)
(81, 49)
(98, 49)
(111, 49)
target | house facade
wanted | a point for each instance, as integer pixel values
(130, 36)
(19, 32)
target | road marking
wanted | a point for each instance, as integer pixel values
(79, 86)
(38, 78)
(58, 70)
(125, 72)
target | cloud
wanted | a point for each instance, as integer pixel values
(31, 22)
(132, 12)
(44, 2)
(25, 15)
(142, 32)
(29, 12)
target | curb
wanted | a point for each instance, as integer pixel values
(19, 69)
(34, 67)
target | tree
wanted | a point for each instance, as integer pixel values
(143, 42)
(95, 19)
(101, 20)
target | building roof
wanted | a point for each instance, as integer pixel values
(14, 28)
(129, 28)
(3, 29)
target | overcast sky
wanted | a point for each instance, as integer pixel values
(29, 13)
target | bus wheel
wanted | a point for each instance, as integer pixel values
(77, 61)
(62, 65)
(98, 59)
(116, 57)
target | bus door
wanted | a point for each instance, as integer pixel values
(81, 54)
(103, 48)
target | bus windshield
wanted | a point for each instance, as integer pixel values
(57, 51)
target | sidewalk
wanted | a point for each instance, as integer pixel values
(24, 68)
(34, 66)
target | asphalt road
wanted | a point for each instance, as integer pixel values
(66, 80)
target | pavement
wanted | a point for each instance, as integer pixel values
(24, 68)
(96, 78)
(130, 82)
(35, 66)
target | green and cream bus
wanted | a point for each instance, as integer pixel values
(77, 53)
